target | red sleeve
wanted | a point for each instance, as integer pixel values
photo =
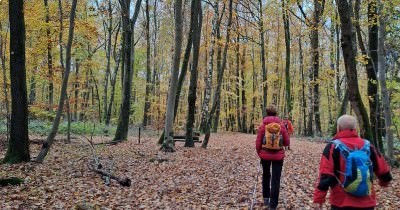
(326, 175)
(260, 135)
(381, 168)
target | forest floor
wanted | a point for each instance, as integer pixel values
(223, 176)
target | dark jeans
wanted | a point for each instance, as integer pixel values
(271, 191)
(350, 208)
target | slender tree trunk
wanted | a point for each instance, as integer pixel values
(337, 80)
(374, 113)
(196, 33)
(217, 93)
(32, 90)
(303, 98)
(148, 69)
(18, 145)
(254, 97)
(349, 54)
(237, 83)
(128, 26)
(50, 138)
(288, 95)
(244, 100)
(108, 56)
(210, 68)
(76, 90)
(113, 83)
(382, 81)
(60, 36)
(49, 57)
(263, 65)
(168, 144)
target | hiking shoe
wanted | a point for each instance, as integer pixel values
(266, 201)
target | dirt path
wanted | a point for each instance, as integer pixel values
(221, 177)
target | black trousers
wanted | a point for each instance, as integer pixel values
(271, 184)
(350, 208)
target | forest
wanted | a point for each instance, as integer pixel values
(132, 88)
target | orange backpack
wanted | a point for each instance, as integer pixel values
(272, 138)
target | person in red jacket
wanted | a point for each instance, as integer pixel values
(332, 166)
(288, 125)
(270, 158)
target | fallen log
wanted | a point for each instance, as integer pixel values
(124, 181)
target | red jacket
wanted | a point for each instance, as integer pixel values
(289, 126)
(332, 161)
(270, 154)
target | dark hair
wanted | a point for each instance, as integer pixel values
(271, 110)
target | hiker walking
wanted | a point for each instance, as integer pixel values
(271, 138)
(347, 167)
(288, 125)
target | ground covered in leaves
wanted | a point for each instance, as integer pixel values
(224, 176)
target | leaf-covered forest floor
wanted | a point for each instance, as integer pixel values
(221, 177)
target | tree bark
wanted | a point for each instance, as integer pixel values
(3, 66)
(373, 96)
(49, 56)
(244, 100)
(382, 81)
(303, 98)
(217, 94)
(288, 95)
(148, 69)
(263, 65)
(108, 56)
(349, 54)
(50, 138)
(168, 144)
(18, 145)
(210, 68)
(196, 33)
(128, 26)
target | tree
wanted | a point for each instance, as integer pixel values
(49, 56)
(288, 95)
(197, 18)
(18, 146)
(128, 26)
(217, 94)
(168, 144)
(148, 68)
(50, 138)
(349, 55)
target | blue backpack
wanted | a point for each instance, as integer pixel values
(358, 173)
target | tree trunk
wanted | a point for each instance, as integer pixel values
(217, 93)
(382, 81)
(318, 11)
(303, 98)
(263, 65)
(49, 56)
(196, 33)
(76, 90)
(148, 69)
(244, 100)
(18, 146)
(237, 83)
(288, 95)
(50, 138)
(349, 54)
(60, 37)
(374, 113)
(168, 144)
(113, 83)
(210, 68)
(108, 56)
(128, 26)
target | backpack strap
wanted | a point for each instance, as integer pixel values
(344, 150)
(366, 147)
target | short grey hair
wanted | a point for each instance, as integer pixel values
(346, 122)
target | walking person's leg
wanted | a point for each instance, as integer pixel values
(275, 182)
(266, 178)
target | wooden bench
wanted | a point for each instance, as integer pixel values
(196, 137)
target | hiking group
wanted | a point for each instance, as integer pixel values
(347, 165)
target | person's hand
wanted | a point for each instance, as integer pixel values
(317, 206)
